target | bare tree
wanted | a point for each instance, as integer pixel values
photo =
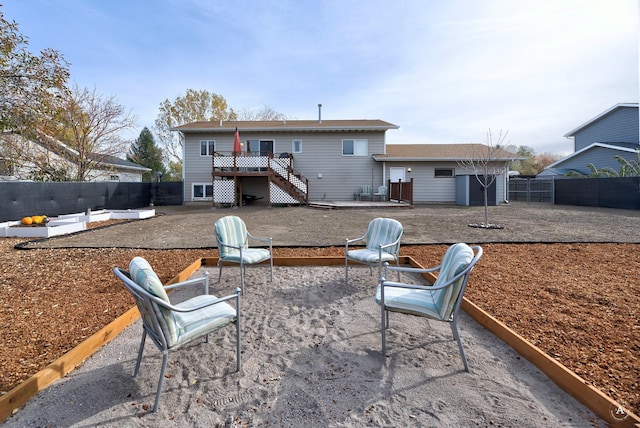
(486, 162)
(91, 126)
(266, 113)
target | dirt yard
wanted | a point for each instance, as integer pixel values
(565, 278)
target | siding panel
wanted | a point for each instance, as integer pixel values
(620, 126)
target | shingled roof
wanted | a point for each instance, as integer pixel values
(442, 152)
(226, 126)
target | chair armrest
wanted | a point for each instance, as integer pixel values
(350, 241)
(411, 286)
(449, 283)
(203, 278)
(410, 269)
(256, 238)
(171, 307)
(220, 244)
(396, 242)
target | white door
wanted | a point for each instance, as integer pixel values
(396, 174)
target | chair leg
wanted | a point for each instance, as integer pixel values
(454, 330)
(220, 274)
(384, 316)
(238, 316)
(165, 360)
(238, 354)
(140, 349)
(242, 277)
(271, 270)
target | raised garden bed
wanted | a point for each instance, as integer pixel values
(68, 223)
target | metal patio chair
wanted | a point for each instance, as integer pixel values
(172, 325)
(382, 245)
(233, 246)
(440, 301)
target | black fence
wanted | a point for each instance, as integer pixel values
(19, 199)
(614, 192)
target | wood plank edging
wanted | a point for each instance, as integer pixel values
(574, 385)
(599, 403)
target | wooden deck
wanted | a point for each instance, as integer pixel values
(330, 205)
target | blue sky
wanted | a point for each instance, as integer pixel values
(444, 71)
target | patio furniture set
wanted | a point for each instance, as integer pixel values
(173, 325)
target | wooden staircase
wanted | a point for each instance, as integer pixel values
(284, 178)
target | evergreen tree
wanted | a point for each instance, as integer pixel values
(145, 152)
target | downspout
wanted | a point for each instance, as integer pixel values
(506, 182)
(384, 173)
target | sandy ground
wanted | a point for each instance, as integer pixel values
(311, 357)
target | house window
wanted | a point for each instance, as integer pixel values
(443, 173)
(207, 147)
(296, 146)
(355, 147)
(114, 177)
(202, 191)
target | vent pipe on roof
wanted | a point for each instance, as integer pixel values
(220, 123)
(319, 113)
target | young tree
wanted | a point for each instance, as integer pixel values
(145, 152)
(483, 162)
(30, 85)
(192, 107)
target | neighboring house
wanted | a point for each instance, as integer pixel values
(615, 132)
(59, 155)
(297, 161)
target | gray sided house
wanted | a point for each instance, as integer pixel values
(615, 132)
(298, 161)
(289, 161)
(438, 176)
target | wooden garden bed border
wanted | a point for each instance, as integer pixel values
(599, 403)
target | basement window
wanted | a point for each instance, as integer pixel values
(202, 191)
(443, 173)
